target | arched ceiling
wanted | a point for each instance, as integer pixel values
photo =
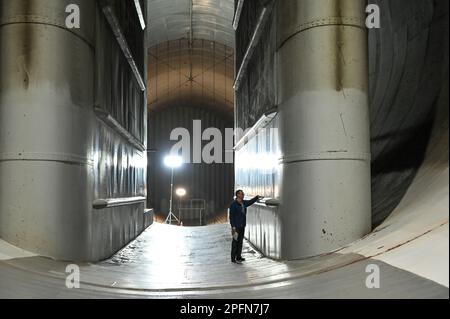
(184, 72)
(171, 20)
(200, 75)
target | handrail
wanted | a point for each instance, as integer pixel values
(271, 202)
(106, 117)
(265, 119)
(114, 202)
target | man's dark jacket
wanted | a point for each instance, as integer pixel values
(238, 212)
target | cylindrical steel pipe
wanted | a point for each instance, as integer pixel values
(46, 126)
(324, 125)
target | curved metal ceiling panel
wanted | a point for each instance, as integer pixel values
(201, 76)
(211, 20)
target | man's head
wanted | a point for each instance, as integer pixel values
(240, 194)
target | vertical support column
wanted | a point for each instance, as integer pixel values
(46, 128)
(324, 125)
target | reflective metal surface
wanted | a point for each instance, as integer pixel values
(211, 20)
(193, 262)
(46, 128)
(257, 92)
(56, 156)
(258, 162)
(200, 73)
(323, 129)
(259, 171)
(406, 76)
(409, 111)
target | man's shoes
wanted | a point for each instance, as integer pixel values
(240, 259)
(237, 261)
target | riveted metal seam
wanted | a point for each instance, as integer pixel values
(34, 19)
(325, 156)
(46, 157)
(324, 22)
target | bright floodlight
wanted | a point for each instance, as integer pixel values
(173, 161)
(180, 192)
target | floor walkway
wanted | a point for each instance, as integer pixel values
(194, 262)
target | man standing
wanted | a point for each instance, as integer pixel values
(238, 214)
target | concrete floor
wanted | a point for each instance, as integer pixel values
(181, 262)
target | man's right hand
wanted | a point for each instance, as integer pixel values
(234, 233)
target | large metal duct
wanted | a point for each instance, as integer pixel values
(408, 59)
(322, 127)
(46, 127)
(72, 180)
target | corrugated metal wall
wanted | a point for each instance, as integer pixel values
(117, 90)
(75, 132)
(120, 168)
(257, 90)
(263, 179)
(212, 182)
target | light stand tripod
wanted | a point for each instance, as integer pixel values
(171, 215)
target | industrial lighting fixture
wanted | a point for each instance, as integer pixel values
(172, 162)
(137, 4)
(180, 192)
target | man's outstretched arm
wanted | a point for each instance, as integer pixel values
(251, 201)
